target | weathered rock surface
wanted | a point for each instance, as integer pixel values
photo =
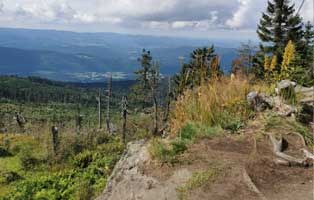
(259, 101)
(285, 84)
(129, 183)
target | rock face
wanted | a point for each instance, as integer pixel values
(128, 182)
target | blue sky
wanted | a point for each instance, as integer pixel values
(192, 18)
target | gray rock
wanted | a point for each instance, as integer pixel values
(259, 102)
(285, 84)
(128, 181)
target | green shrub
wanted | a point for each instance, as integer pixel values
(233, 125)
(160, 151)
(82, 160)
(167, 153)
(27, 159)
(4, 152)
(84, 191)
(9, 177)
(192, 131)
(178, 146)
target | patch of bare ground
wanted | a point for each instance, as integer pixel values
(250, 153)
(238, 167)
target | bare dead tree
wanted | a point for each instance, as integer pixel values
(124, 113)
(79, 117)
(109, 94)
(55, 139)
(99, 108)
(20, 120)
(153, 83)
(168, 101)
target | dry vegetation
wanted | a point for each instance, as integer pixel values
(217, 103)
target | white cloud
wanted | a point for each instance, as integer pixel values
(1, 6)
(176, 15)
(247, 14)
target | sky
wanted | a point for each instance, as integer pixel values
(189, 18)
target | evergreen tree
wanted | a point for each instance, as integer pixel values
(146, 64)
(308, 51)
(278, 25)
(204, 64)
(140, 90)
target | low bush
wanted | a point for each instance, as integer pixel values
(27, 159)
(9, 177)
(4, 152)
(82, 160)
(193, 131)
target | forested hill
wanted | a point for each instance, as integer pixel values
(70, 56)
(39, 90)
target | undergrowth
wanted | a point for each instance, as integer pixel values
(219, 103)
(168, 151)
(79, 170)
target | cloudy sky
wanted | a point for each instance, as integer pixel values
(193, 18)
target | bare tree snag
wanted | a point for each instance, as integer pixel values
(55, 139)
(99, 108)
(168, 101)
(124, 108)
(109, 93)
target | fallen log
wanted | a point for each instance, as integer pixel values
(285, 159)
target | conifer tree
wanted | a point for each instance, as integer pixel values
(278, 25)
(198, 70)
(141, 89)
(308, 51)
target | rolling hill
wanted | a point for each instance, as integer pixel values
(71, 56)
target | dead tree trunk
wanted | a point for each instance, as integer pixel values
(168, 101)
(108, 103)
(124, 108)
(285, 159)
(154, 86)
(79, 117)
(155, 131)
(99, 108)
(55, 139)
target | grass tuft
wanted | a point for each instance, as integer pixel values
(215, 104)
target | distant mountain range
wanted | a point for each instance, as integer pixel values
(71, 56)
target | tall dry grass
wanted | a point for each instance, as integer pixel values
(215, 103)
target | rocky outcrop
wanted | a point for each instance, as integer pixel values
(260, 102)
(128, 182)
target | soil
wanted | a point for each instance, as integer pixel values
(232, 154)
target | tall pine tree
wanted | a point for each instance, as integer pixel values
(308, 51)
(278, 25)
